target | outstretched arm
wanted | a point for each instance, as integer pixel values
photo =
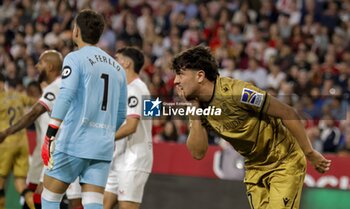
(27, 119)
(292, 121)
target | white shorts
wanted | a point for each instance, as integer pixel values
(74, 190)
(35, 167)
(127, 185)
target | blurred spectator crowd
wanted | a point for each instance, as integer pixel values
(297, 50)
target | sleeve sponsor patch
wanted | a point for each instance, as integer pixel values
(66, 72)
(132, 101)
(252, 97)
(49, 96)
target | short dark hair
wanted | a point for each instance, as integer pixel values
(135, 55)
(91, 25)
(197, 58)
(34, 84)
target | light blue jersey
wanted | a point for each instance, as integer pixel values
(92, 104)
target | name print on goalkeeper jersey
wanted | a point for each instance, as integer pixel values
(86, 132)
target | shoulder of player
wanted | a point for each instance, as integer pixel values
(50, 92)
(71, 55)
(226, 85)
(72, 58)
(138, 86)
(235, 86)
(54, 86)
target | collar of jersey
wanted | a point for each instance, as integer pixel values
(206, 104)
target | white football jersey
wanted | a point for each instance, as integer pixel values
(135, 152)
(41, 123)
(47, 100)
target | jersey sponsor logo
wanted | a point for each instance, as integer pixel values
(252, 97)
(93, 124)
(66, 71)
(232, 124)
(49, 96)
(132, 101)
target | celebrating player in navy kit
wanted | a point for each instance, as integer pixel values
(92, 106)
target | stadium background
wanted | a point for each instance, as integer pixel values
(298, 50)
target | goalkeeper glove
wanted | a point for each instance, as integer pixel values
(49, 145)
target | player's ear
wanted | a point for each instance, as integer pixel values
(50, 67)
(200, 76)
(77, 32)
(128, 63)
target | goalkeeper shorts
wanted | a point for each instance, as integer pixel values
(67, 168)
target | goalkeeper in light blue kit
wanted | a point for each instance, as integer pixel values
(91, 106)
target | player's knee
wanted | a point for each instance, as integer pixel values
(92, 200)
(51, 196)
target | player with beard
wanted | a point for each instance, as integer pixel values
(49, 67)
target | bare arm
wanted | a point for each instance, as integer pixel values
(128, 128)
(27, 119)
(292, 121)
(197, 140)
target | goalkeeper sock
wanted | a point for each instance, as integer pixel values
(50, 205)
(93, 206)
(50, 200)
(92, 200)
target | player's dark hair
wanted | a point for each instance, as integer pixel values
(135, 55)
(91, 25)
(197, 58)
(35, 84)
